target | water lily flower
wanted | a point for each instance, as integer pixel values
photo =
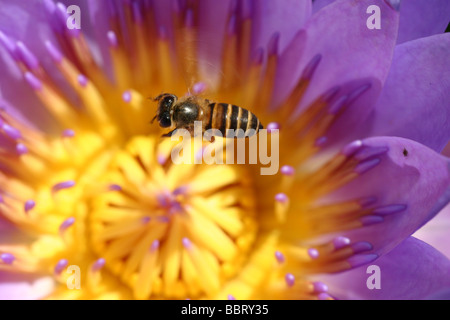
(91, 206)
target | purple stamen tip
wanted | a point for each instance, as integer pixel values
(390, 209)
(82, 80)
(287, 170)
(63, 185)
(145, 220)
(313, 253)
(66, 224)
(163, 199)
(273, 126)
(370, 220)
(232, 25)
(361, 259)
(49, 6)
(361, 247)
(54, 52)
(163, 219)
(68, 133)
(33, 81)
(175, 207)
(367, 165)
(290, 279)
(323, 296)
(281, 197)
(340, 242)
(279, 256)
(137, 12)
(100, 263)
(370, 152)
(351, 148)
(61, 265)
(27, 56)
(61, 13)
(272, 47)
(320, 287)
(311, 67)
(7, 258)
(162, 33)
(126, 96)
(320, 142)
(155, 245)
(11, 132)
(358, 92)
(21, 149)
(9, 45)
(29, 204)
(115, 187)
(162, 159)
(186, 243)
(112, 39)
(180, 190)
(230, 297)
(338, 105)
(189, 18)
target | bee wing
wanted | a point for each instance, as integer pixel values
(200, 60)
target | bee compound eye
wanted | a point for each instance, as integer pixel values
(165, 121)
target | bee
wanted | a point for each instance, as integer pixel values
(177, 113)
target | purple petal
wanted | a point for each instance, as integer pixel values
(319, 4)
(285, 17)
(420, 19)
(413, 270)
(211, 34)
(441, 295)
(437, 232)
(25, 22)
(15, 286)
(352, 57)
(415, 102)
(411, 184)
(268, 17)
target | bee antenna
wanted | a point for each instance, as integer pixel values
(159, 97)
(153, 119)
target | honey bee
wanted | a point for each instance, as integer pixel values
(177, 113)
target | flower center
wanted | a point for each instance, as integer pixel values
(170, 230)
(97, 188)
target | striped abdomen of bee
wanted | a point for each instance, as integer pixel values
(227, 118)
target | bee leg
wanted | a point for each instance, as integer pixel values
(169, 134)
(191, 131)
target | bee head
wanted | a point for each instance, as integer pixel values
(165, 103)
